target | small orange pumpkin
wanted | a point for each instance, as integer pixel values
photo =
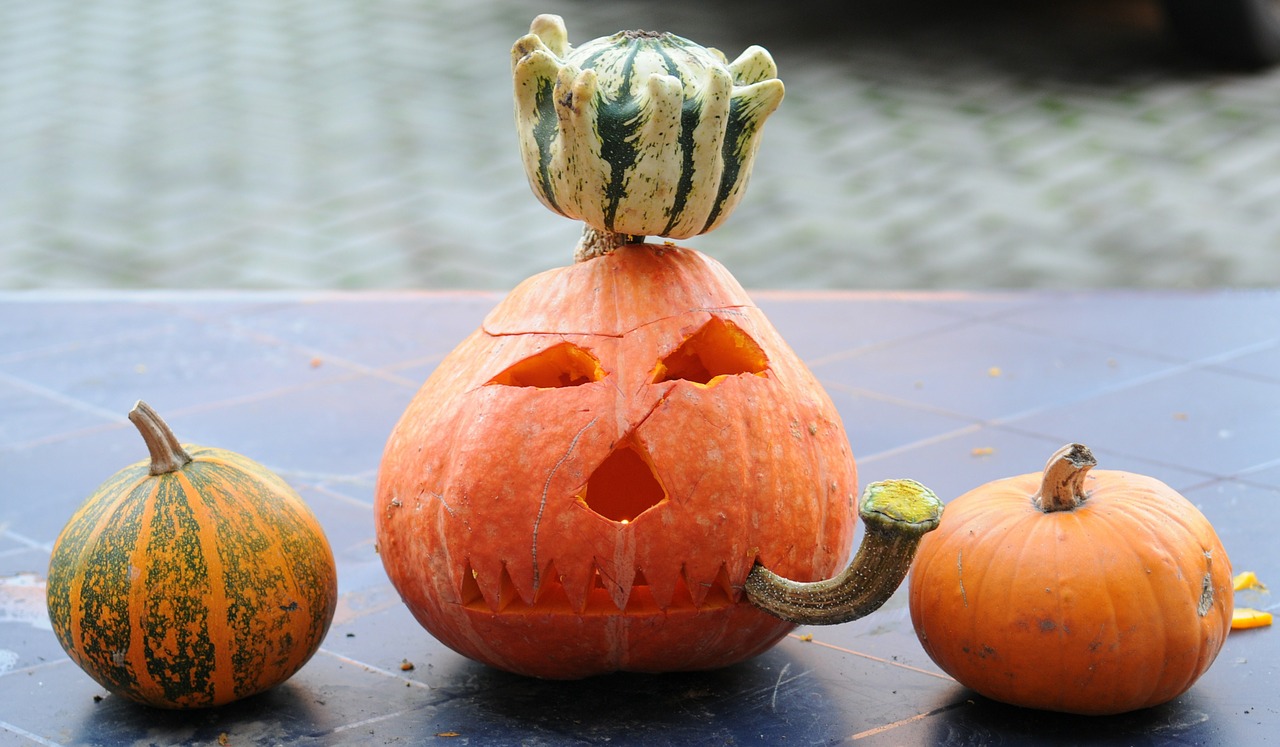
(192, 579)
(1069, 590)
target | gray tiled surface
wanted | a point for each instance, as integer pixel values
(953, 389)
(369, 144)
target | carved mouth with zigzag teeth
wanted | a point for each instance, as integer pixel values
(602, 596)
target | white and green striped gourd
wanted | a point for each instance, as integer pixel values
(639, 133)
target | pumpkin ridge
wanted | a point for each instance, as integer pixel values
(83, 545)
(1154, 601)
(981, 591)
(223, 678)
(1060, 650)
(1178, 521)
(1110, 631)
(142, 679)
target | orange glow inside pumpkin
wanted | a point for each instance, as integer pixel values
(561, 365)
(718, 349)
(623, 486)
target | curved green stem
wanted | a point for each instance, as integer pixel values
(167, 454)
(897, 514)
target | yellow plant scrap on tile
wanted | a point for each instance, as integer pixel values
(1244, 618)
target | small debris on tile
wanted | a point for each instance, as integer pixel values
(982, 451)
(224, 739)
(448, 734)
(994, 372)
(317, 362)
(406, 665)
(1247, 580)
(1181, 416)
(807, 637)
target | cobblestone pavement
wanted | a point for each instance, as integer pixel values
(369, 144)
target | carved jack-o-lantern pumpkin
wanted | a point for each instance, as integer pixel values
(589, 481)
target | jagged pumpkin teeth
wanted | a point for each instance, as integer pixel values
(598, 595)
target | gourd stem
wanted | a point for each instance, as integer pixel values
(897, 514)
(1062, 488)
(597, 243)
(167, 455)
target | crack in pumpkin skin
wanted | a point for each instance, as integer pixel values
(542, 504)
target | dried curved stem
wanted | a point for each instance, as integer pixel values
(897, 513)
(1063, 486)
(167, 454)
(597, 243)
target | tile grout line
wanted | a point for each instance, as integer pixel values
(377, 372)
(1203, 364)
(851, 652)
(951, 324)
(24, 540)
(371, 668)
(909, 720)
(56, 396)
(14, 729)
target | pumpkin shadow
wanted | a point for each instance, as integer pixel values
(742, 703)
(257, 719)
(985, 721)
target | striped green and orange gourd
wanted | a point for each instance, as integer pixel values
(195, 578)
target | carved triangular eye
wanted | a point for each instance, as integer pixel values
(561, 365)
(719, 348)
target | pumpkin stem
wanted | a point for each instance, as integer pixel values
(1063, 486)
(597, 243)
(897, 513)
(167, 455)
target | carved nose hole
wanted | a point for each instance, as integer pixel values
(560, 365)
(623, 486)
(719, 348)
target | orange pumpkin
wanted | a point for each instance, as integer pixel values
(1090, 592)
(192, 579)
(584, 484)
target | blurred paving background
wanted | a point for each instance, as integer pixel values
(369, 144)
